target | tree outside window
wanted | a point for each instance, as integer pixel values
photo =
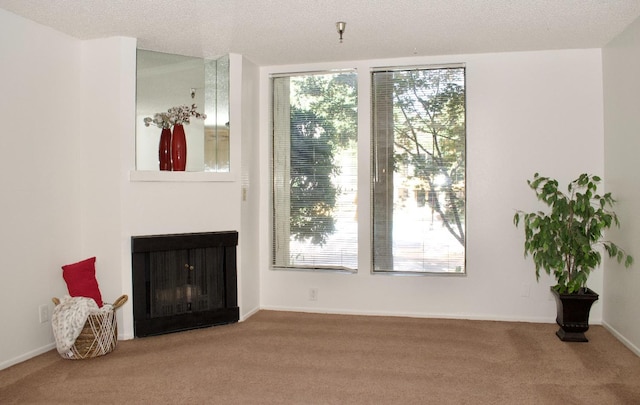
(315, 171)
(418, 170)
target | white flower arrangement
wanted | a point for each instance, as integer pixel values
(174, 116)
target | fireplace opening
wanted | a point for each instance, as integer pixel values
(184, 281)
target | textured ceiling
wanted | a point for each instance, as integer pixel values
(274, 32)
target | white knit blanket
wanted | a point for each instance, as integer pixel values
(69, 318)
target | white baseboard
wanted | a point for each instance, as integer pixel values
(635, 349)
(244, 317)
(27, 356)
(474, 317)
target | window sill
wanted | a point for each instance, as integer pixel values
(418, 273)
(317, 270)
(165, 176)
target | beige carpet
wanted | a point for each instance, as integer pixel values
(296, 358)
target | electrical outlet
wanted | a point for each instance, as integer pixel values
(313, 294)
(43, 312)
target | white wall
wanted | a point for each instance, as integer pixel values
(68, 141)
(621, 64)
(170, 205)
(108, 93)
(70, 137)
(249, 274)
(116, 208)
(40, 141)
(162, 206)
(526, 112)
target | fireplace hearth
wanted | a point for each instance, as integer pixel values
(184, 281)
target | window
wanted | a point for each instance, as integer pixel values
(418, 170)
(315, 171)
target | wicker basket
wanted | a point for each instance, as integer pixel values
(99, 334)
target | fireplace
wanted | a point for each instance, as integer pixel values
(184, 281)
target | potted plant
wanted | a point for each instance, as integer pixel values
(567, 242)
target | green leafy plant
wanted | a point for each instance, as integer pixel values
(566, 241)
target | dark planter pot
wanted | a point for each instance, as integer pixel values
(573, 314)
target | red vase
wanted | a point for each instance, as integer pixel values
(164, 150)
(178, 149)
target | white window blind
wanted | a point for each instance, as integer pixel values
(418, 169)
(315, 171)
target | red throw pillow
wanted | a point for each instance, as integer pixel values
(81, 280)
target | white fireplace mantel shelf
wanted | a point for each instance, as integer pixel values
(167, 176)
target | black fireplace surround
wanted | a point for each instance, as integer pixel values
(184, 281)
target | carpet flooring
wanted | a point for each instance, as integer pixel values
(299, 358)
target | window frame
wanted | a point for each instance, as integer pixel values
(373, 166)
(272, 184)
(365, 165)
